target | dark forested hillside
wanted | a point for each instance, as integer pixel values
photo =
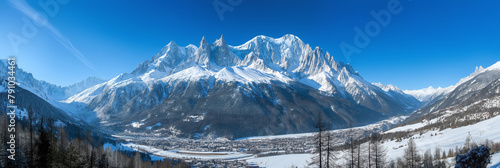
(39, 142)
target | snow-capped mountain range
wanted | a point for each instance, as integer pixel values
(262, 59)
(251, 70)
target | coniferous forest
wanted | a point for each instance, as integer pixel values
(41, 142)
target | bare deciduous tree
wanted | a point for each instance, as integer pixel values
(318, 142)
(378, 150)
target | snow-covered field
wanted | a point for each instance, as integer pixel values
(281, 161)
(181, 154)
(203, 155)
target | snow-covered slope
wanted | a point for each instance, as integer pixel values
(448, 138)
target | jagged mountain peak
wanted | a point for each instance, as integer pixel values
(479, 69)
(221, 55)
(220, 41)
(203, 42)
(172, 43)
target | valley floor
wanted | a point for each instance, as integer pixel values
(445, 139)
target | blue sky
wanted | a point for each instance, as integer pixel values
(428, 43)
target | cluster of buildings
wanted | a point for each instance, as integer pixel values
(253, 147)
(250, 146)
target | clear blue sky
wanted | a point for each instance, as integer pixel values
(429, 43)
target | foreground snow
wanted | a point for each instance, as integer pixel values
(448, 138)
(282, 161)
(495, 161)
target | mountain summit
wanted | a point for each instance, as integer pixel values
(264, 86)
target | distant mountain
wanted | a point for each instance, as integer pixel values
(428, 95)
(263, 87)
(399, 95)
(45, 90)
(473, 98)
(42, 96)
(81, 86)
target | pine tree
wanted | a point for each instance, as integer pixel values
(103, 160)
(450, 152)
(43, 159)
(31, 149)
(437, 153)
(137, 160)
(467, 144)
(428, 160)
(411, 156)
(93, 158)
(400, 163)
(392, 164)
